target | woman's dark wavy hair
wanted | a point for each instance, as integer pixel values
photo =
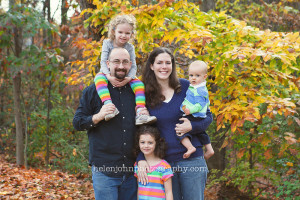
(160, 147)
(153, 90)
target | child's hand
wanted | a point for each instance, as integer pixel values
(113, 80)
(124, 82)
(144, 111)
(186, 110)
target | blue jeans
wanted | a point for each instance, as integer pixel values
(113, 188)
(190, 175)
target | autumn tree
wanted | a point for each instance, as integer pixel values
(276, 15)
(254, 74)
(21, 25)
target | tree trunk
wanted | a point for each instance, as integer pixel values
(207, 5)
(17, 99)
(18, 120)
(64, 11)
(25, 131)
(48, 125)
(11, 3)
(2, 92)
(63, 45)
(84, 4)
(47, 15)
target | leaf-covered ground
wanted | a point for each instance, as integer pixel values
(20, 183)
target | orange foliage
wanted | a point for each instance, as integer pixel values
(20, 183)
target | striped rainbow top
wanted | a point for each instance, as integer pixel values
(155, 188)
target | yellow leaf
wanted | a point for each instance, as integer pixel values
(228, 116)
(145, 21)
(161, 22)
(222, 13)
(256, 114)
(267, 57)
(225, 143)
(293, 36)
(265, 141)
(81, 67)
(154, 22)
(176, 6)
(233, 126)
(219, 126)
(217, 102)
(188, 25)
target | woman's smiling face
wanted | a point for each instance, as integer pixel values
(162, 66)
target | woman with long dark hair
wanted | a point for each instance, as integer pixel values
(164, 95)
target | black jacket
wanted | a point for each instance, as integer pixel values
(110, 142)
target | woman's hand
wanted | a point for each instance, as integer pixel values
(143, 168)
(184, 127)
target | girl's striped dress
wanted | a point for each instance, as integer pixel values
(155, 188)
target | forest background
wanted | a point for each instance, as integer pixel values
(252, 48)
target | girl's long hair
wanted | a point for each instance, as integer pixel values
(153, 90)
(160, 147)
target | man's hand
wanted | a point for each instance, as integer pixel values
(105, 110)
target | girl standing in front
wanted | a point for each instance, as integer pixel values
(149, 142)
(120, 31)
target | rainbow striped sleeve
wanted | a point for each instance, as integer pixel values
(138, 88)
(101, 87)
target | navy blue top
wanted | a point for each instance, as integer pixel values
(168, 115)
(110, 142)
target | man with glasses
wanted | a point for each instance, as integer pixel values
(110, 142)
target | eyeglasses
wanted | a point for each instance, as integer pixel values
(118, 62)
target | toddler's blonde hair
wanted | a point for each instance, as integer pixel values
(201, 65)
(121, 19)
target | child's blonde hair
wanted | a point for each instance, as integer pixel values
(201, 65)
(121, 19)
